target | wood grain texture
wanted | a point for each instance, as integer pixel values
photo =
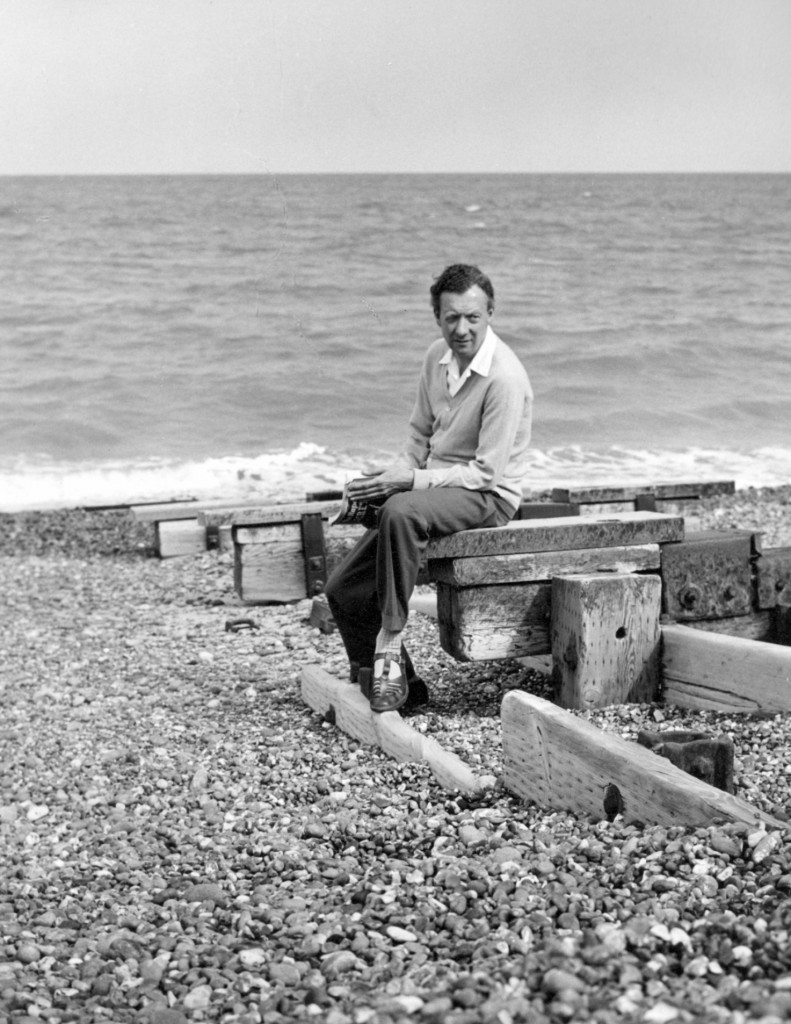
(179, 537)
(534, 567)
(563, 534)
(353, 715)
(258, 514)
(163, 511)
(713, 672)
(605, 638)
(559, 761)
(486, 623)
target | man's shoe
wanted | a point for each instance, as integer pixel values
(389, 690)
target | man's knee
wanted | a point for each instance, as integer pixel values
(402, 510)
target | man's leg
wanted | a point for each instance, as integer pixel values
(351, 595)
(407, 522)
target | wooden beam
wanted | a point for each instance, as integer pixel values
(713, 672)
(161, 511)
(487, 623)
(605, 638)
(586, 495)
(343, 703)
(563, 534)
(263, 515)
(557, 760)
(532, 567)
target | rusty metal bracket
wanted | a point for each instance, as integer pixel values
(708, 575)
(707, 757)
(313, 552)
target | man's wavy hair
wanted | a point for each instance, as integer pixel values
(457, 279)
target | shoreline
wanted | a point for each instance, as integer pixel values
(185, 840)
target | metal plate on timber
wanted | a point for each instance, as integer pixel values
(313, 550)
(773, 577)
(708, 575)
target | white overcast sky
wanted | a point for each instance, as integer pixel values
(170, 86)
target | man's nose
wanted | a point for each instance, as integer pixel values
(462, 328)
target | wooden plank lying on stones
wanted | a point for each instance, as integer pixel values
(532, 567)
(159, 512)
(558, 760)
(713, 672)
(342, 703)
(586, 495)
(563, 534)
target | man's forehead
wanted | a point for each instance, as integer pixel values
(474, 299)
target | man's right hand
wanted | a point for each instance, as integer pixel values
(382, 483)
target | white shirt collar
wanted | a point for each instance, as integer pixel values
(481, 361)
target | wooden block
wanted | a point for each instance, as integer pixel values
(586, 495)
(557, 760)
(708, 575)
(712, 672)
(225, 538)
(562, 534)
(605, 638)
(176, 537)
(483, 623)
(604, 508)
(542, 565)
(345, 705)
(773, 577)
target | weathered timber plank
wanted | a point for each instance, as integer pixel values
(159, 512)
(701, 489)
(605, 638)
(773, 577)
(557, 760)
(562, 534)
(542, 565)
(261, 515)
(352, 714)
(755, 626)
(708, 575)
(486, 623)
(710, 671)
(177, 537)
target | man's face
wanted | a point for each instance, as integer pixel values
(463, 320)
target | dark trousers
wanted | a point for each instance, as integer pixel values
(372, 586)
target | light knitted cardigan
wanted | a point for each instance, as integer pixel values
(477, 438)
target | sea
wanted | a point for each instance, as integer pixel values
(260, 336)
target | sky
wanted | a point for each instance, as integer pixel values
(283, 86)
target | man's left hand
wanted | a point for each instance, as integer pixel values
(382, 483)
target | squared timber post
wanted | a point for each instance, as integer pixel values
(605, 638)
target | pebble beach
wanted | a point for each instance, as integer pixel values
(183, 839)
